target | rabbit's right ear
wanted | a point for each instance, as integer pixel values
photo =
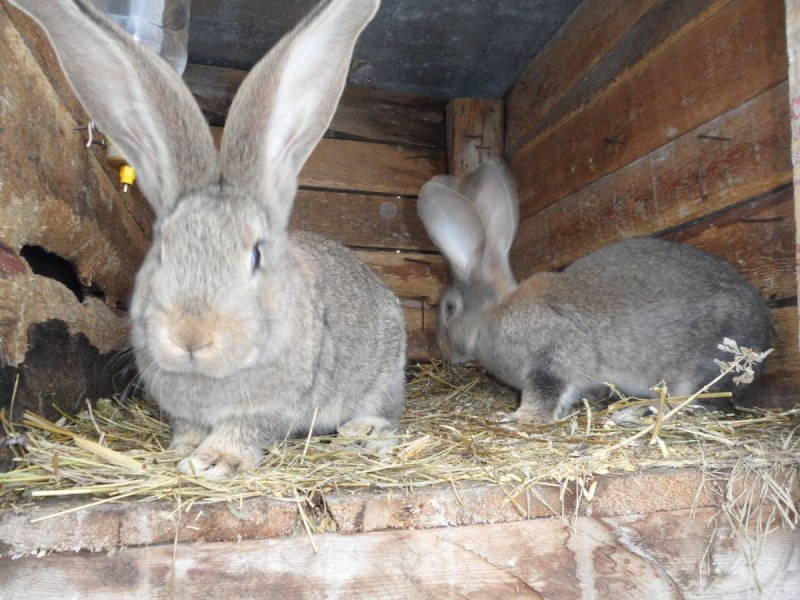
(452, 222)
(134, 97)
(491, 188)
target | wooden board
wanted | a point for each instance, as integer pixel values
(361, 220)
(367, 167)
(733, 55)
(687, 179)
(614, 557)
(421, 328)
(412, 276)
(363, 113)
(474, 133)
(757, 237)
(599, 41)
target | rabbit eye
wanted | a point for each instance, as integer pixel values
(449, 309)
(255, 258)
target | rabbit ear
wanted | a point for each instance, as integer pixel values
(452, 223)
(286, 103)
(491, 189)
(134, 97)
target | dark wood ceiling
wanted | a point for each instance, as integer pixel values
(446, 48)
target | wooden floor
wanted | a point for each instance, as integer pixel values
(646, 535)
(657, 555)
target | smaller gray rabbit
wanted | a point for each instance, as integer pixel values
(632, 314)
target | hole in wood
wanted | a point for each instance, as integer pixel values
(48, 264)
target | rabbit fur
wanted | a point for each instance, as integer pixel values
(633, 314)
(243, 332)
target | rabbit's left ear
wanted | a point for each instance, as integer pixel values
(135, 98)
(491, 189)
(286, 103)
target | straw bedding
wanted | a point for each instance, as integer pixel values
(450, 435)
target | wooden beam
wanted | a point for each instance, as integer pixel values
(735, 157)
(363, 113)
(421, 328)
(601, 40)
(733, 55)
(474, 133)
(615, 557)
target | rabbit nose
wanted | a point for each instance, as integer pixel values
(191, 341)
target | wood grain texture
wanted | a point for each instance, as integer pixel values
(781, 380)
(363, 113)
(687, 179)
(361, 220)
(756, 237)
(614, 557)
(474, 133)
(601, 40)
(53, 192)
(367, 167)
(410, 275)
(421, 329)
(726, 59)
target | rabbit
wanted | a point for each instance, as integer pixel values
(633, 313)
(243, 332)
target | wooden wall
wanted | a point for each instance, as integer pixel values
(360, 186)
(657, 117)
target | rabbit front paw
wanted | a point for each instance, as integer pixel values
(217, 463)
(526, 413)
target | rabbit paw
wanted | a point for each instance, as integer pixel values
(216, 464)
(185, 441)
(524, 414)
(377, 433)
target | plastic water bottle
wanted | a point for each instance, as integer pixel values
(161, 25)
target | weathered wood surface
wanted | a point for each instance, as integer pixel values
(363, 113)
(757, 237)
(793, 37)
(421, 328)
(54, 192)
(687, 179)
(659, 555)
(361, 220)
(367, 167)
(736, 53)
(112, 525)
(411, 275)
(601, 40)
(474, 133)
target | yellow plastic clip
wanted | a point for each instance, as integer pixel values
(127, 175)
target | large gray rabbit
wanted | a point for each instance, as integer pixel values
(632, 314)
(244, 333)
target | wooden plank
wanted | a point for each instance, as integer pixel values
(757, 237)
(361, 220)
(363, 113)
(474, 133)
(734, 55)
(793, 37)
(412, 276)
(619, 557)
(684, 180)
(596, 44)
(421, 329)
(367, 167)
(780, 383)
